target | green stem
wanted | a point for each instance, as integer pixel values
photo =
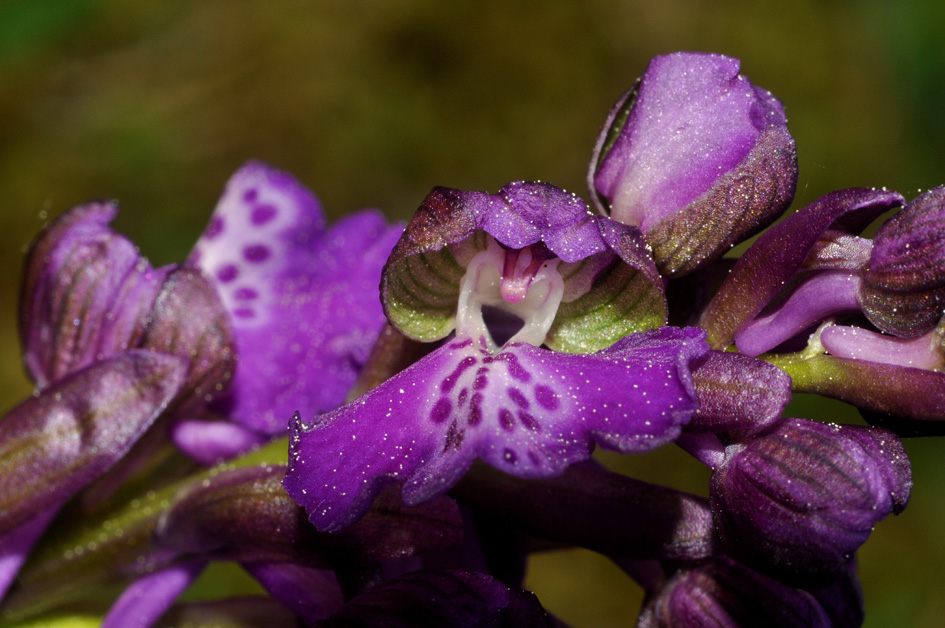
(81, 558)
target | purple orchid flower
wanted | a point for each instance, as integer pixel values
(812, 268)
(92, 308)
(89, 298)
(696, 156)
(291, 297)
(302, 297)
(571, 281)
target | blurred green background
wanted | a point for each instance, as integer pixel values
(155, 103)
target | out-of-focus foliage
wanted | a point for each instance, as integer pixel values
(371, 103)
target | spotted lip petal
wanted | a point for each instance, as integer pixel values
(302, 298)
(525, 410)
(696, 156)
(903, 291)
(781, 251)
(86, 294)
(147, 599)
(420, 286)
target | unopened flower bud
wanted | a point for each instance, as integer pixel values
(723, 593)
(800, 498)
(697, 157)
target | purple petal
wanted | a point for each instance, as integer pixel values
(312, 594)
(525, 213)
(57, 442)
(798, 500)
(696, 156)
(704, 447)
(693, 117)
(836, 250)
(187, 319)
(527, 411)
(212, 442)
(442, 599)
(16, 544)
(904, 289)
(86, 294)
(780, 252)
(303, 301)
(149, 597)
(725, 594)
(853, 343)
(737, 393)
(741, 203)
(816, 299)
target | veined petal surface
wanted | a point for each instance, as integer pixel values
(86, 294)
(54, 444)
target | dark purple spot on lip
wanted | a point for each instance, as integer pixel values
(256, 253)
(546, 397)
(450, 381)
(481, 380)
(244, 312)
(441, 411)
(250, 195)
(214, 229)
(245, 294)
(454, 437)
(475, 410)
(463, 396)
(518, 398)
(515, 368)
(534, 458)
(262, 214)
(510, 456)
(506, 420)
(228, 273)
(529, 421)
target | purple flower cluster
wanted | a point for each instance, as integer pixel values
(379, 423)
